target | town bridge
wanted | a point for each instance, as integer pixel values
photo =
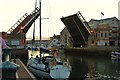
(25, 22)
(17, 33)
(78, 28)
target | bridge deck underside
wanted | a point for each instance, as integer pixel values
(77, 30)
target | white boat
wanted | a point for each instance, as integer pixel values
(115, 54)
(48, 67)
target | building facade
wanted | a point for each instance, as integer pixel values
(106, 32)
(55, 41)
(101, 36)
(65, 38)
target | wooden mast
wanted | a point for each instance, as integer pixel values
(33, 40)
(40, 22)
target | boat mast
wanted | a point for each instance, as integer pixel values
(33, 40)
(40, 22)
(40, 17)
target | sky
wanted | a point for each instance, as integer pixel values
(12, 10)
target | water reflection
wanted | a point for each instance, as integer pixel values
(82, 66)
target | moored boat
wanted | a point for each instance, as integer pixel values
(49, 67)
(115, 54)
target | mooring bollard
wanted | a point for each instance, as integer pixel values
(8, 70)
(6, 54)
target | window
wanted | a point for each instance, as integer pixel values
(96, 35)
(92, 41)
(109, 34)
(105, 35)
(101, 34)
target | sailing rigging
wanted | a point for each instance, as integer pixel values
(48, 66)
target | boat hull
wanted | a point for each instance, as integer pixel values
(55, 70)
(115, 55)
(59, 72)
(40, 72)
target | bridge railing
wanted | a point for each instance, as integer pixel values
(17, 23)
(28, 21)
(33, 13)
(84, 22)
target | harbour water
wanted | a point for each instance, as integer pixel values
(89, 68)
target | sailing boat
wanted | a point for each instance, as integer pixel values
(48, 66)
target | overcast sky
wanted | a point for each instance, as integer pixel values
(12, 10)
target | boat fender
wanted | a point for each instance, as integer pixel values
(65, 64)
(53, 63)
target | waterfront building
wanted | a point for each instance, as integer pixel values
(44, 43)
(106, 32)
(41, 43)
(101, 36)
(55, 41)
(65, 38)
(113, 22)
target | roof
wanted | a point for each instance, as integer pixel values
(103, 26)
(103, 19)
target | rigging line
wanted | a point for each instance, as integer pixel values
(50, 20)
(34, 24)
(47, 4)
(45, 24)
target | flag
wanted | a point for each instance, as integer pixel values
(102, 13)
